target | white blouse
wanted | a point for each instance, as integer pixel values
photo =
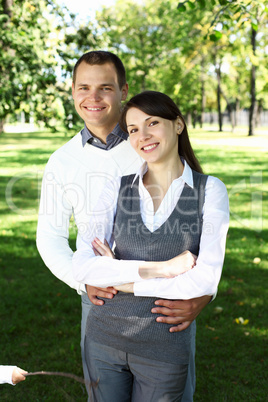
(202, 280)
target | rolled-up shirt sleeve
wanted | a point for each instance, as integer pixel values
(204, 278)
(6, 374)
(96, 270)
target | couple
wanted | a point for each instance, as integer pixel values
(73, 182)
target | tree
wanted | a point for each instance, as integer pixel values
(27, 59)
(152, 47)
(238, 13)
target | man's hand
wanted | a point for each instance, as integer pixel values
(180, 312)
(94, 294)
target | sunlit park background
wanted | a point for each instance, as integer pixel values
(211, 58)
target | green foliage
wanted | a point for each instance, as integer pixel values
(40, 316)
(228, 12)
(28, 61)
(175, 47)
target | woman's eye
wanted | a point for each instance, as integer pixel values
(153, 123)
(132, 131)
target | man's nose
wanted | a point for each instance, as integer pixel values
(94, 95)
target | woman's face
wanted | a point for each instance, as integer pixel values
(154, 138)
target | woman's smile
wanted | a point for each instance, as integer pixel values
(150, 147)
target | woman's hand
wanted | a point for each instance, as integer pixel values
(126, 288)
(168, 269)
(102, 249)
(180, 264)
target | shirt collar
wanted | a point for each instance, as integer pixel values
(187, 175)
(117, 132)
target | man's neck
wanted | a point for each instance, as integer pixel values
(101, 132)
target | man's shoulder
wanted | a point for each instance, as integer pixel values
(74, 143)
(71, 149)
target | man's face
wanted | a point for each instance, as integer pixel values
(97, 97)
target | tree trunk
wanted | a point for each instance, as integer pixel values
(189, 119)
(252, 109)
(237, 111)
(203, 95)
(218, 72)
(229, 110)
(7, 9)
(194, 117)
(259, 112)
(143, 83)
(1, 126)
(7, 5)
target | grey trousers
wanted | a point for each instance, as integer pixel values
(124, 377)
(190, 382)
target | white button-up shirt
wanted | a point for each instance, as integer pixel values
(202, 280)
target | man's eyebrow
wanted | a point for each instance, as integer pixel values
(108, 84)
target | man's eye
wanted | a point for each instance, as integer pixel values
(83, 88)
(106, 89)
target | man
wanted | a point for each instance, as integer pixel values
(75, 176)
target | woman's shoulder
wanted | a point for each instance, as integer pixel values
(215, 182)
(210, 181)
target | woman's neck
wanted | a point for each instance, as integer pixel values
(158, 179)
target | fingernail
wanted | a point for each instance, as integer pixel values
(159, 319)
(157, 303)
(154, 310)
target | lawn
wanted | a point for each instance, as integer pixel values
(40, 316)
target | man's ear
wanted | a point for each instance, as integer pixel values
(72, 89)
(124, 92)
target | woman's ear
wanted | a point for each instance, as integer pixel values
(179, 125)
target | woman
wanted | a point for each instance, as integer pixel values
(160, 219)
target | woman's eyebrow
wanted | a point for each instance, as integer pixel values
(148, 118)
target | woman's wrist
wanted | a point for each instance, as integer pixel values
(154, 269)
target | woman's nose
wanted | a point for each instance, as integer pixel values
(144, 134)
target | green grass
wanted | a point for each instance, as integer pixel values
(40, 316)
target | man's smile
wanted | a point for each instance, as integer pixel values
(94, 109)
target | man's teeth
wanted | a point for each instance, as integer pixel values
(94, 108)
(149, 147)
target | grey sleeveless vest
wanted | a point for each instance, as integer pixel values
(126, 322)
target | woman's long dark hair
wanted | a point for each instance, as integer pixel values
(158, 104)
